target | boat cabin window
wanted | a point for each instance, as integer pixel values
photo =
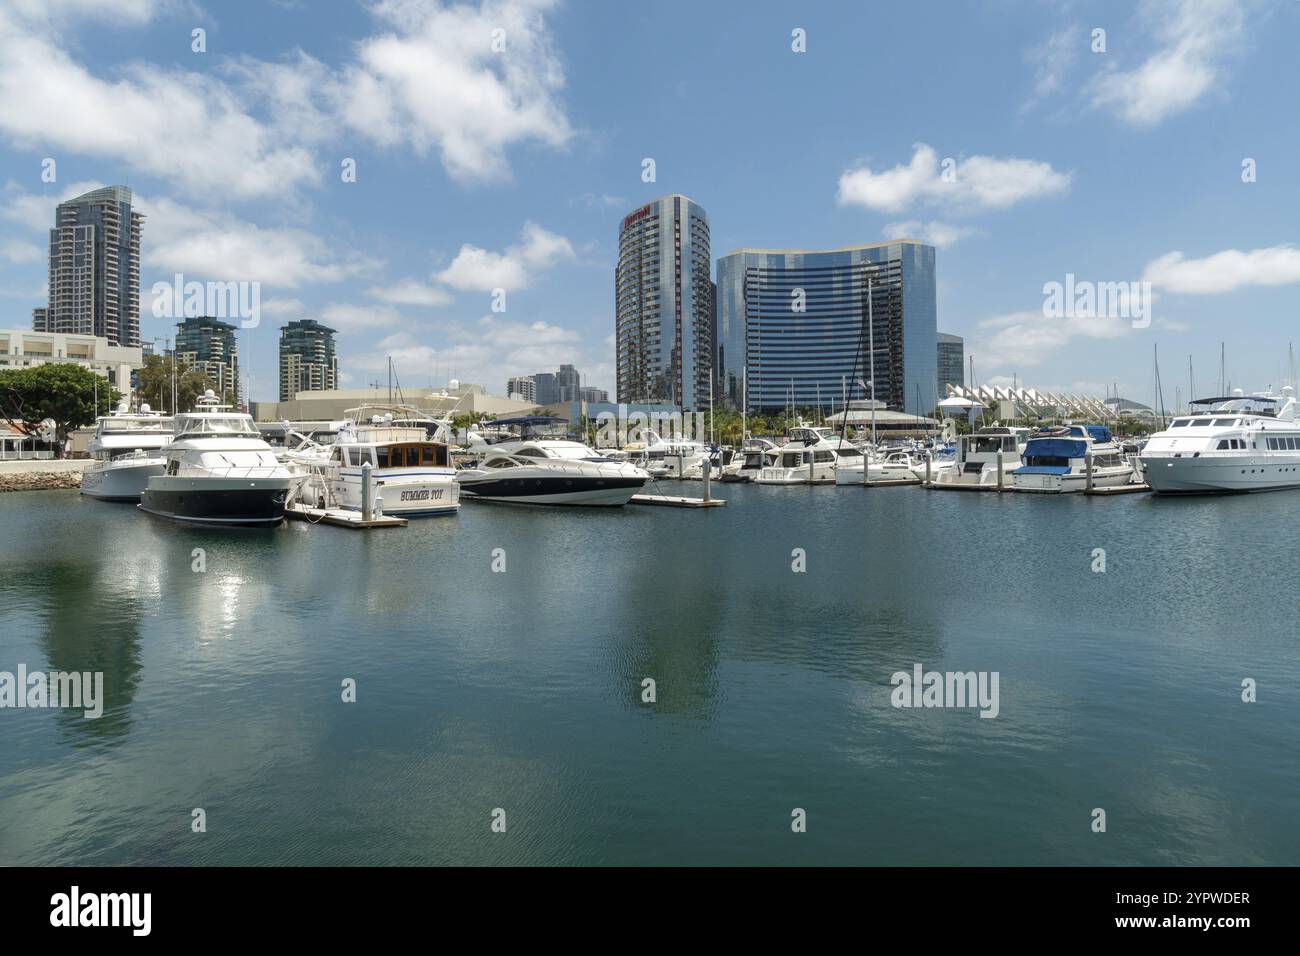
(499, 463)
(1180, 423)
(531, 453)
(1224, 422)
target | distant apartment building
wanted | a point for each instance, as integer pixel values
(94, 269)
(664, 304)
(593, 396)
(209, 345)
(308, 362)
(521, 387)
(568, 381)
(793, 326)
(952, 362)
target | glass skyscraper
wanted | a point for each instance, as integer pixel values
(209, 345)
(664, 304)
(792, 326)
(952, 362)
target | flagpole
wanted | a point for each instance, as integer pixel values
(871, 347)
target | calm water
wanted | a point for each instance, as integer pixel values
(521, 689)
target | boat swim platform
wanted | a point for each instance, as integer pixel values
(1119, 489)
(676, 501)
(890, 482)
(341, 517)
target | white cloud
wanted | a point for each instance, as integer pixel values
(1025, 339)
(16, 250)
(481, 270)
(935, 233)
(1193, 37)
(410, 292)
(486, 352)
(1224, 271)
(980, 183)
(433, 81)
(213, 245)
(348, 317)
(171, 123)
(429, 80)
(1051, 61)
(280, 307)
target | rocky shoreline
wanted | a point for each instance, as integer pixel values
(40, 481)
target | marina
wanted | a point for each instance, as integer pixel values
(221, 686)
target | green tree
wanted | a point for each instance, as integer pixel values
(156, 383)
(62, 392)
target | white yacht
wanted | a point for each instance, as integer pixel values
(219, 470)
(808, 458)
(976, 461)
(1056, 460)
(672, 457)
(411, 472)
(126, 452)
(542, 465)
(1236, 444)
(749, 460)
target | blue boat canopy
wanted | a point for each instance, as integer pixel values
(1037, 448)
(1042, 470)
(1099, 433)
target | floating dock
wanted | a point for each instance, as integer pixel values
(341, 517)
(675, 501)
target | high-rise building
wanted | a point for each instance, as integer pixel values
(663, 304)
(792, 326)
(522, 387)
(952, 362)
(308, 362)
(568, 382)
(545, 390)
(593, 396)
(94, 285)
(209, 345)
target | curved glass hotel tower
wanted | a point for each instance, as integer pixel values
(663, 304)
(792, 326)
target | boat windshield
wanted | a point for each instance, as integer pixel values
(133, 425)
(218, 425)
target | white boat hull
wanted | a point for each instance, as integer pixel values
(822, 473)
(121, 482)
(1073, 481)
(1227, 475)
(402, 494)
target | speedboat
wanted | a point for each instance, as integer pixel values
(411, 473)
(125, 453)
(1236, 444)
(543, 465)
(807, 458)
(219, 471)
(978, 455)
(1056, 460)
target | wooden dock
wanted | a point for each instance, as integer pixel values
(674, 501)
(952, 486)
(341, 517)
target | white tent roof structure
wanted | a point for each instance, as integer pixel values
(1032, 403)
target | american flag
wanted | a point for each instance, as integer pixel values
(864, 384)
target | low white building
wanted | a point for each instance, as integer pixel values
(23, 348)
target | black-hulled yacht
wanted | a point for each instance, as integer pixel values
(219, 471)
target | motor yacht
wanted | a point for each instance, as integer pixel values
(410, 471)
(807, 458)
(1056, 460)
(672, 457)
(1229, 445)
(977, 457)
(543, 465)
(219, 471)
(754, 453)
(125, 453)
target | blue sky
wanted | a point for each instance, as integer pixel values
(481, 169)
